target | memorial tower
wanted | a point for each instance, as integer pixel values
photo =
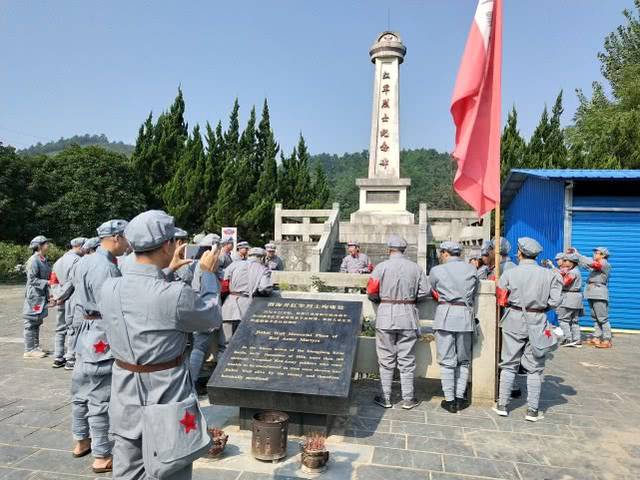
(383, 194)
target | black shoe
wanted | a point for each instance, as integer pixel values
(462, 403)
(409, 404)
(501, 410)
(517, 393)
(533, 415)
(449, 406)
(69, 364)
(383, 402)
(59, 363)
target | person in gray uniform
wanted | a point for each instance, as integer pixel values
(156, 423)
(454, 284)
(355, 262)
(570, 309)
(597, 293)
(202, 340)
(185, 272)
(397, 284)
(527, 292)
(36, 296)
(91, 381)
(242, 281)
(271, 260)
(505, 260)
(61, 289)
(242, 250)
(225, 259)
(485, 260)
(91, 245)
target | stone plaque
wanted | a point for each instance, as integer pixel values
(383, 196)
(290, 354)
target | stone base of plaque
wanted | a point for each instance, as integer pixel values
(299, 423)
(383, 201)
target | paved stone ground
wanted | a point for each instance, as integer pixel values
(591, 430)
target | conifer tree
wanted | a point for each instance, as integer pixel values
(535, 148)
(512, 145)
(320, 188)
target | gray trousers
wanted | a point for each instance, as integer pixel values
(32, 331)
(201, 344)
(61, 332)
(568, 319)
(397, 348)
(229, 327)
(90, 394)
(516, 351)
(454, 357)
(600, 316)
(128, 463)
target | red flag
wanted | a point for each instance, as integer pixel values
(475, 108)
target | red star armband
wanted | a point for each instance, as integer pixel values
(373, 287)
(101, 347)
(224, 288)
(53, 279)
(567, 279)
(435, 295)
(502, 296)
(188, 422)
(596, 265)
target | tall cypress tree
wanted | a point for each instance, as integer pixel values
(302, 191)
(555, 148)
(287, 179)
(320, 188)
(214, 162)
(535, 154)
(512, 145)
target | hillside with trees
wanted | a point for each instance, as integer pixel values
(86, 140)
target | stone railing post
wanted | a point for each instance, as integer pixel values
(483, 369)
(306, 221)
(422, 236)
(277, 223)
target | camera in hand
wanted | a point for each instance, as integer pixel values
(194, 252)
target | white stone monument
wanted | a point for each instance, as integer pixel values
(383, 195)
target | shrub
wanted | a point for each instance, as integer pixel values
(13, 257)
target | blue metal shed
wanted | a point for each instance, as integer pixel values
(584, 209)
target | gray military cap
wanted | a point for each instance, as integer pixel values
(474, 255)
(270, 247)
(209, 239)
(150, 229)
(486, 248)
(603, 250)
(242, 244)
(454, 248)
(180, 234)
(257, 252)
(91, 244)
(39, 240)
(505, 246)
(226, 241)
(529, 247)
(396, 241)
(572, 257)
(560, 256)
(112, 227)
(353, 243)
(77, 242)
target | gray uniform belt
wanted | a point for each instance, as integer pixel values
(532, 310)
(93, 316)
(398, 302)
(239, 294)
(457, 304)
(152, 367)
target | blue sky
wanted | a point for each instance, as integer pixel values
(75, 67)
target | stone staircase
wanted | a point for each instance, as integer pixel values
(377, 253)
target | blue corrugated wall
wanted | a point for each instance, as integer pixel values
(537, 211)
(620, 232)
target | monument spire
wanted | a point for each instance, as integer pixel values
(384, 194)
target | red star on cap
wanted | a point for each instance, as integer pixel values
(100, 347)
(547, 332)
(189, 422)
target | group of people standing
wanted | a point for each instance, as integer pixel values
(526, 291)
(130, 304)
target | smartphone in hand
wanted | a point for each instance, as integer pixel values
(194, 252)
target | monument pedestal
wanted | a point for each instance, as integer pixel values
(383, 201)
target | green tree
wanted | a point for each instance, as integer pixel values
(535, 151)
(183, 194)
(606, 131)
(320, 189)
(92, 185)
(16, 209)
(512, 145)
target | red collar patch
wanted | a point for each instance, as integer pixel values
(100, 347)
(189, 422)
